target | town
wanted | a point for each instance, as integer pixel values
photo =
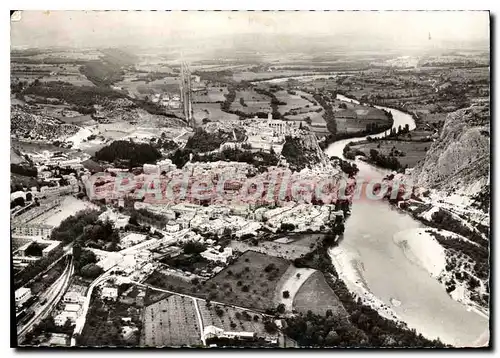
(181, 198)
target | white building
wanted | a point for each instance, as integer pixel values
(37, 230)
(59, 190)
(172, 226)
(119, 220)
(283, 128)
(214, 255)
(185, 208)
(150, 169)
(132, 239)
(166, 166)
(216, 332)
(72, 307)
(109, 293)
(22, 295)
(146, 245)
(62, 317)
(73, 297)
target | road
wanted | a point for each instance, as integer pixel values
(53, 294)
(80, 321)
(292, 284)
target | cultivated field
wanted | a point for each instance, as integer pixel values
(140, 88)
(232, 319)
(253, 102)
(171, 322)
(294, 102)
(316, 295)
(212, 112)
(414, 151)
(248, 282)
(292, 250)
(212, 94)
(49, 73)
(170, 282)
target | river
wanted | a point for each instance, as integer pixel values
(370, 261)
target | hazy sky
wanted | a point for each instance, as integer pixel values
(117, 28)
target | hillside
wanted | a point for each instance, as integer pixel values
(301, 152)
(453, 189)
(458, 162)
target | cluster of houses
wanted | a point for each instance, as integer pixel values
(170, 101)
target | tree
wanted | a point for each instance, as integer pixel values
(193, 247)
(34, 250)
(91, 271)
(281, 308)
(270, 267)
(17, 202)
(219, 311)
(270, 327)
(332, 339)
(286, 294)
(133, 219)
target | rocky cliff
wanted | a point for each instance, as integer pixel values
(459, 160)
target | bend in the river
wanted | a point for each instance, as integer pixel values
(369, 260)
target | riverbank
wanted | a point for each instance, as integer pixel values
(429, 248)
(387, 273)
(350, 270)
(465, 275)
(373, 322)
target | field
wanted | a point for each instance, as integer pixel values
(171, 322)
(363, 116)
(232, 319)
(414, 151)
(316, 295)
(212, 112)
(252, 76)
(170, 282)
(248, 282)
(34, 146)
(212, 94)
(299, 247)
(253, 102)
(294, 102)
(104, 326)
(49, 73)
(69, 206)
(140, 88)
(79, 120)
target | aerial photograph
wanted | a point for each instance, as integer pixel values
(256, 179)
